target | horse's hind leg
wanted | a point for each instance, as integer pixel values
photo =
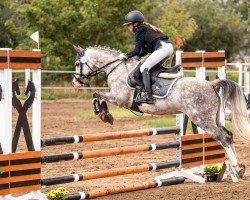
(209, 125)
(219, 133)
(230, 150)
(225, 137)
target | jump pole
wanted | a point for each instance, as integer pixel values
(124, 188)
(109, 136)
(109, 152)
(109, 173)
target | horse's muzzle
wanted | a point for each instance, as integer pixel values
(76, 85)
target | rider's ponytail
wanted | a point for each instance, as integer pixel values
(154, 27)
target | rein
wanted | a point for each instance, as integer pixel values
(93, 72)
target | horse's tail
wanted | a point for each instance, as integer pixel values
(232, 95)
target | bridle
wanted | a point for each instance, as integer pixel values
(84, 61)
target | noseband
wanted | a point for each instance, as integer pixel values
(84, 61)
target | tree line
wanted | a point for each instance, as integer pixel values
(209, 25)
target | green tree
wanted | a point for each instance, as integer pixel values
(62, 23)
(175, 21)
(8, 38)
(241, 7)
(218, 27)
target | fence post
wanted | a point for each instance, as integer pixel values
(222, 75)
(6, 102)
(27, 76)
(239, 66)
(246, 80)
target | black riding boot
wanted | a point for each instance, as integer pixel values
(147, 96)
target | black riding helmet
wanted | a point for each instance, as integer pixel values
(133, 16)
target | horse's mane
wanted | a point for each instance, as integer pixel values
(108, 50)
(112, 51)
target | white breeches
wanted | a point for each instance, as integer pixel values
(163, 52)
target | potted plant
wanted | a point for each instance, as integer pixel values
(57, 194)
(212, 172)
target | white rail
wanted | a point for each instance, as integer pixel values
(243, 74)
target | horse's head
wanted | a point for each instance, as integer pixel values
(91, 61)
(83, 67)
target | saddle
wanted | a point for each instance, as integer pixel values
(162, 79)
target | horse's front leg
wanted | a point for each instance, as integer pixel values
(107, 96)
(101, 107)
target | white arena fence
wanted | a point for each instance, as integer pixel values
(242, 73)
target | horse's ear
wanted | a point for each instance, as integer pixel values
(82, 49)
(78, 50)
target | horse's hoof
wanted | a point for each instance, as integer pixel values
(241, 169)
(103, 117)
(96, 112)
(106, 118)
(110, 119)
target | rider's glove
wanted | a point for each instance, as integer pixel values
(123, 56)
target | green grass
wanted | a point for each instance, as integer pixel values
(87, 114)
(116, 112)
(229, 126)
(166, 121)
(171, 121)
(65, 94)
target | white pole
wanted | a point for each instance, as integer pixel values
(239, 66)
(2, 110)
(200, 74)
(6, 107)
(222, 75)
(6, 112)
(247, 84)
(27, 76)
(222, 70)
(36, 110)
(178, 57)
(246, 80)
(179, 117)
(178, 60)
(201, 71)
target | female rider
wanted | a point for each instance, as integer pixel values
(148, 39)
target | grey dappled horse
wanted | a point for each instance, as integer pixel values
(198, 99)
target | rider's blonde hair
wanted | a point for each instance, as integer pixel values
(154, 27)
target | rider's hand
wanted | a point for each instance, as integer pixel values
(123, 56)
